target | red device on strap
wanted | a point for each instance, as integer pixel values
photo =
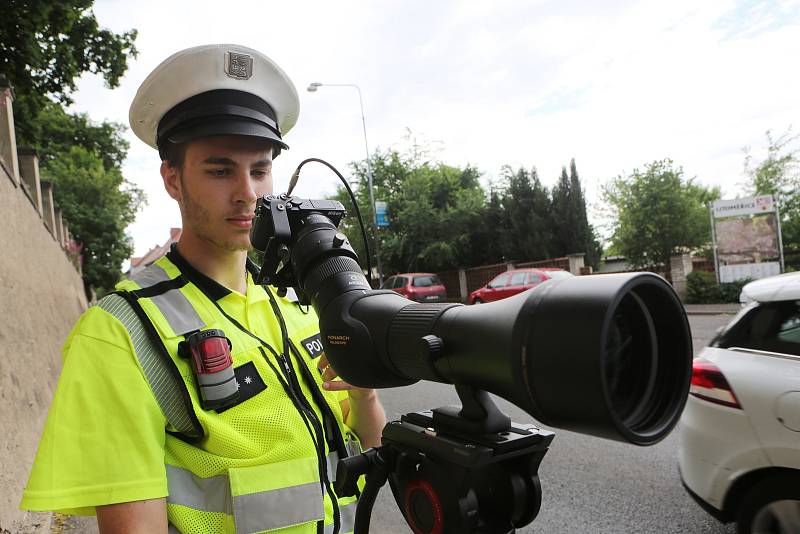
(212, 363)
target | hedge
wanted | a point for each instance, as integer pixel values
(702, 288)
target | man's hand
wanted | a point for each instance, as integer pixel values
(138, 517)
(362, 411)
(328, 382)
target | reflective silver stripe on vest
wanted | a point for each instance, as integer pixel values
(207, 494)
(268, 510)
(164, 384)
(347, 515)
(253, 512)
(173, 305)
(178, 312)
(332, 460)
(150, 276)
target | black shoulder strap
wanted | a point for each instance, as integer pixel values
(160, 371)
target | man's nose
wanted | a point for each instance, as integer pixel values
(246, 188)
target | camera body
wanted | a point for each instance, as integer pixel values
(282, 222)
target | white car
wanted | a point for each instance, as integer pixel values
(740, 431)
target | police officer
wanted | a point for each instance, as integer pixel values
(135, 434)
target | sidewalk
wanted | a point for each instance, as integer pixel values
(712, 309)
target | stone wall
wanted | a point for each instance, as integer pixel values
(41, 297)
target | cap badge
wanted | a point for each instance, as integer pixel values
(239, 66)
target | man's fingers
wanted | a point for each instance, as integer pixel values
(336, 385)
(329, 374)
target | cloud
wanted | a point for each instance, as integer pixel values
(526, 83)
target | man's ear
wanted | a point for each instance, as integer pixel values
(172, 180)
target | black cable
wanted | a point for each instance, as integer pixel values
(375, 479)
(300, 401)
(330, 425)
(293, 182)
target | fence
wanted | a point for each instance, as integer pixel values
(41, 296)
(702, 264)
(21, 166)
(461, 282)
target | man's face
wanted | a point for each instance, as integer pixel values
(217, 188)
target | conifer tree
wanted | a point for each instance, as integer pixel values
(570, 229)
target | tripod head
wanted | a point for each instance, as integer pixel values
(448, 479)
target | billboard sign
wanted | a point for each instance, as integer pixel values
(747, 241)
(743, 206)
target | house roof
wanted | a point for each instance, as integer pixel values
(156, 252)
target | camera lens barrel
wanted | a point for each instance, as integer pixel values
(607, 355)
(325, 264)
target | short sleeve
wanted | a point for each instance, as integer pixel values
(103, 441)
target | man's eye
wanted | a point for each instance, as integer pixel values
(218, 172)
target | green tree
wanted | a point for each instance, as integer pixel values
(487, 236)
(524, 232)
(46, 46)
(100, 224)
(432, 210)
(44, 49)
(658, 212)
(56, 131)
(778, 174)
(571, 231)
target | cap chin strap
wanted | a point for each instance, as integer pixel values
(207, 113)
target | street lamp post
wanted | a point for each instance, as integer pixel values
(313, 88)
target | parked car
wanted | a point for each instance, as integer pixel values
(515, 281)
(739, 451)
(420, 287)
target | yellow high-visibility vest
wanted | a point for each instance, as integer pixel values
(265, 464)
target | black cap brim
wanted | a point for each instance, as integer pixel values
(226, 126)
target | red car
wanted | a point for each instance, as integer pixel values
(420, 287)
(512, 282)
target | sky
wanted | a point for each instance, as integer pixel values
(613, 84)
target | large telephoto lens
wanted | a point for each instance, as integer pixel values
(606, 355)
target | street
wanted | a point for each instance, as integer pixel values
(589, 485)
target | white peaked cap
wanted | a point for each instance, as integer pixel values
(220, 89)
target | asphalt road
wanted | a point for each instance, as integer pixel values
(589, 485)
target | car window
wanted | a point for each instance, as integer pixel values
(772, 327)
(422, 281)
(789, 330)
(388, 283)
(401, 281)
(534, 278)
(518, 279)
(499, 281)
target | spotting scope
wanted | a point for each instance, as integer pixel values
(606, 355)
